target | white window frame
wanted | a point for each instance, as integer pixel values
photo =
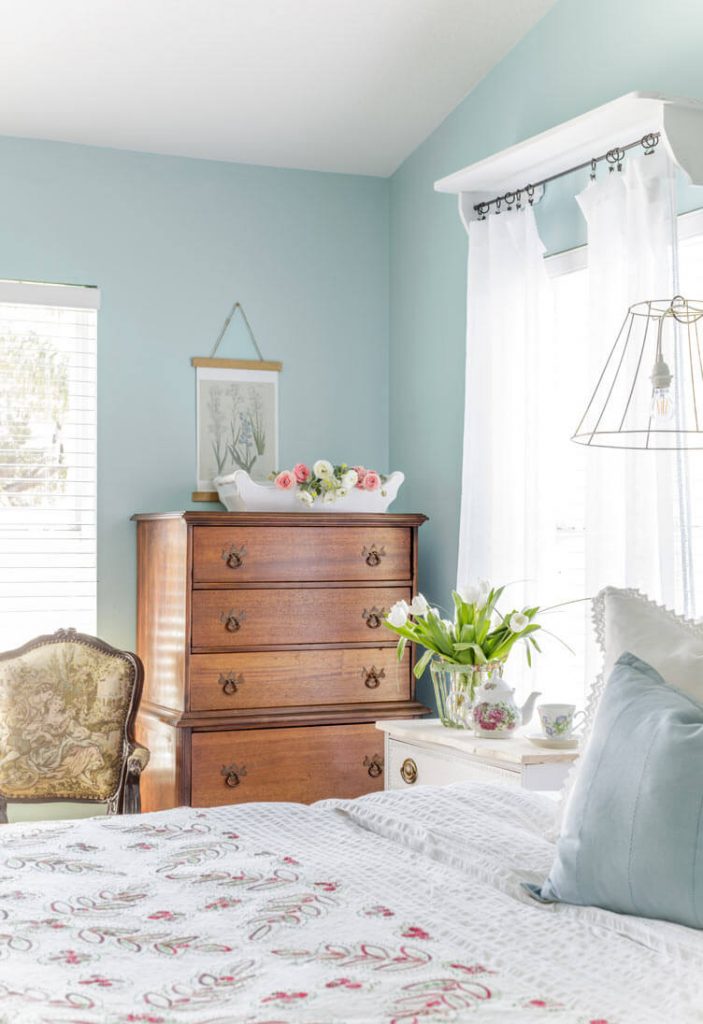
(689, 225)
(69, 297)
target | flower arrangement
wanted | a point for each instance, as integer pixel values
(326, 482)
(477, 635)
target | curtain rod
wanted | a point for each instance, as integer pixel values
(614, 157)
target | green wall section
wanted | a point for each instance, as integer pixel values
(579, 56)
(172, 243)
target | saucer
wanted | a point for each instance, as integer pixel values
(560, 743)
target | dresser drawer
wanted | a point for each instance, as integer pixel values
(300, 554)
(299, 764)
(410, 765)
(236, 619)
(293, 678)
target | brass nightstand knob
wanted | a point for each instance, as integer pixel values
(408, 771)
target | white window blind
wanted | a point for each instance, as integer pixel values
(48, 336)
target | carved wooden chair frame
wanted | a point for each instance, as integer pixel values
(135, 757)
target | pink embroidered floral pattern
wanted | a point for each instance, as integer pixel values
(181, 918)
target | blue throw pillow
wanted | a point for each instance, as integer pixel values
(632, 838)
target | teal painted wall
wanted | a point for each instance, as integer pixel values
(579, 56)
(171, 243)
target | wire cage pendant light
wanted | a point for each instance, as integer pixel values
(650, 393)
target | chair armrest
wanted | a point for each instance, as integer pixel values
(137, 759)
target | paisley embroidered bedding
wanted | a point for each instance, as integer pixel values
(399, 908)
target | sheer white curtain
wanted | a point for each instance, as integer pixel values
(557, 519)
(632, 497)
(504, 485)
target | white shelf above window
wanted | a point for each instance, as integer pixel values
(624, 120)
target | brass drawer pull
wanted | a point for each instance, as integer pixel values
(234, 557)
(372, 677)
(373, 555)
(232, 774)
(373, 617)
(408, 771)
(374, 765)
(232, 620)
(231, 683)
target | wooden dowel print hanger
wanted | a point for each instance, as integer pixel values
(237, 364)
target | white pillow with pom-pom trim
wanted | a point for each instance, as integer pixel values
(627, 620)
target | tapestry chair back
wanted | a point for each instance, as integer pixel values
(68, 702)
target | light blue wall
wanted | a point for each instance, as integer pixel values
(580, 55)
(172, 242)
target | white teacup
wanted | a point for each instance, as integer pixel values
(558, 720)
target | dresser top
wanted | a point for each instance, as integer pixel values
(515, 750)
(197, 518)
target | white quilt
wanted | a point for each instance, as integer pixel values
(399, 908)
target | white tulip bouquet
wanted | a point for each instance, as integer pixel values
(477, 635)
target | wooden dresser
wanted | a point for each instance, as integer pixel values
(266, 658)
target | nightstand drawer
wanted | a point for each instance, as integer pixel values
(410, 765)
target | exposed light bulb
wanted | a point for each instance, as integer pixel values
(662, 408)
(662, 405)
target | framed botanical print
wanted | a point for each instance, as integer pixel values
(237, 418)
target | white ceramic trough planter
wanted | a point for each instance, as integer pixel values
(239, 493)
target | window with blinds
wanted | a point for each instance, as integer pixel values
(48, 569)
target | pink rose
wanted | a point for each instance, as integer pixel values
(360, 473)
(301, 472)
(372, 480)
(285, 480)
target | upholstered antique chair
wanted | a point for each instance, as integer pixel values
(68, 703)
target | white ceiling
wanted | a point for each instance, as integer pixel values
(330, 85)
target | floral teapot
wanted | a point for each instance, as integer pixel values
(494, 711)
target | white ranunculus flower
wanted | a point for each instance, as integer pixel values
(398, 615)
(350, 479)
(305, 498)
(329, 497)
(323, 469)
(342, 492)
(518, 622)
(419, 605)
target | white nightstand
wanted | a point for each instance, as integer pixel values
(423, 751)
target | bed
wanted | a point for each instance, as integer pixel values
(397, 907)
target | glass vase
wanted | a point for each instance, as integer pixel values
(454, 688)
